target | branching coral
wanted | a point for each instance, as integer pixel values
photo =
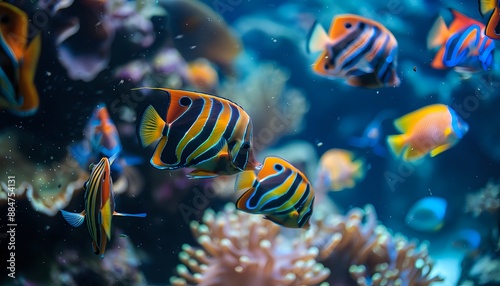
(48, 188)
(276, 109)
(485, 200)
(242, 249)
(361, 252)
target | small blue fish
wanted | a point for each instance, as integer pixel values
(279, 191)
(372, 135)
(427, 214)
(99, 206)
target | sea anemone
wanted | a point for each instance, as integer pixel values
(48, 187)
(243, 249)
(359, 251)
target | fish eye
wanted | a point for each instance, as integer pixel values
(246, 145)
(4, 19)
(185, 101)
(278, 167)
(347, 25)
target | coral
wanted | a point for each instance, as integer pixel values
(359, 251)
(484, 200)
(275, 109)
(48, 188)
(243, 249)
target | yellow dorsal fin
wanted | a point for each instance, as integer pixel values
(485, 6)
(403, 124)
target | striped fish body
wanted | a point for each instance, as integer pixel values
(279, 191)
(18, 61)
(357, 49)
(99, 205)
(462, 44)
(205, 132)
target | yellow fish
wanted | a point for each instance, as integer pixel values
(431, 129)
(339, 170)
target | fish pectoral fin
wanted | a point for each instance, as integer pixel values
(241, 203)
(245, 180)
(201, 174)
(440, 149)
(74, 219)
(151, 126)
(486, 6)
(131, 215)
(316, 39)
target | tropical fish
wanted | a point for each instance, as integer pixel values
(99, 206)
(467, 239)
(493, 25)
(427, 214)
(18, 61)
(202, 75)
(340, 170)
(431, 129)
(279, 191)
(462, 45)
(101, 139)
(209, 133)
(357, 49)
(372, 134)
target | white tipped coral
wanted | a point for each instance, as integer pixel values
(361, 252)
(486, 199)
(241, 249)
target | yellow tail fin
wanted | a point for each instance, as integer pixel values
(397, 144)
(151, 126)
(485, 6)
(245, 180)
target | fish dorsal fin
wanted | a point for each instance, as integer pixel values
(460, 20)
(245, 180)
(74, 219)
(317, 38)
(438, 34)
(486, 6)
(440, 149)
(404, 123)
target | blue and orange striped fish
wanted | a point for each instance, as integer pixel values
(279, 191)
(99, 206)
(357, 49)
(209, 133)
(462, 44)
(18, 61)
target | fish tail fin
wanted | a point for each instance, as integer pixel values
(27, 86)
(317, 38)
(485, 6)
(151, 126)
(130, 215)
(74, 219)
(245, 180)
(438, 34)
(397, 143)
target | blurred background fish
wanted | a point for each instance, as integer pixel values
(209, 133)
(339, 169)
(279, 191)
(357, 49)
(427, 214)
(432, 129)
(99, 206)
(18, 62)
(372, 135)
(461, 44)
